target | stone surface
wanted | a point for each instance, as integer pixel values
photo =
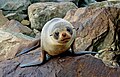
(12, 43)
(109, 57)
(25, 22)
(35, 1)
(97, 26)
(80, 66)
(98, 29)
(3, 19)
(85, 3)
(14, 9)
(40, 13)
(16, 16)
(15, 26)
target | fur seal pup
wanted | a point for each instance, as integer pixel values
(57, 36)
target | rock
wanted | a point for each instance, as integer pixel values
(85, 3)
(16, 16)
(14, 9)
(80, 66)
(12, 43)
(40, 13)
(35, 1)
(14, 4)
(98, 28)
(3, 19)
(37, 33)
(15, 26)
(109, 57)
(25, 22)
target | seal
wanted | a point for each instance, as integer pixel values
(57, 37)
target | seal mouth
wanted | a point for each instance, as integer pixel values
(65, 40)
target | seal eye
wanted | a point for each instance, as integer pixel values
(56, 35)
(69, 30)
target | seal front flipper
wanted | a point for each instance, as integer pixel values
(81, 52)
(38, 61)
(28, 49)
(33, 63)
(84, 52)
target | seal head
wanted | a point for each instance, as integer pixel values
(57, 36)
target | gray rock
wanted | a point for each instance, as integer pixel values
(109, 57)
(33, 1)
(16, 16)
(3, 19)
(84, 3)
(14, 8)
(40, 13)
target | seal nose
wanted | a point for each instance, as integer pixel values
(64, 34)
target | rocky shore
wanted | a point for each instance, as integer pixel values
(98, 29)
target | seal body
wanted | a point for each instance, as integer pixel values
(57, 36)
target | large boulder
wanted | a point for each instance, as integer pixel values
(15, 9)
(98, 30)
(40, 13)
(97, 26)
(34, 1)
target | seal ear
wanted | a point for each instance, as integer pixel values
(51, 35)
(76, 28)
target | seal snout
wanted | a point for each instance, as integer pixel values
(64, 37)
(64, 34)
